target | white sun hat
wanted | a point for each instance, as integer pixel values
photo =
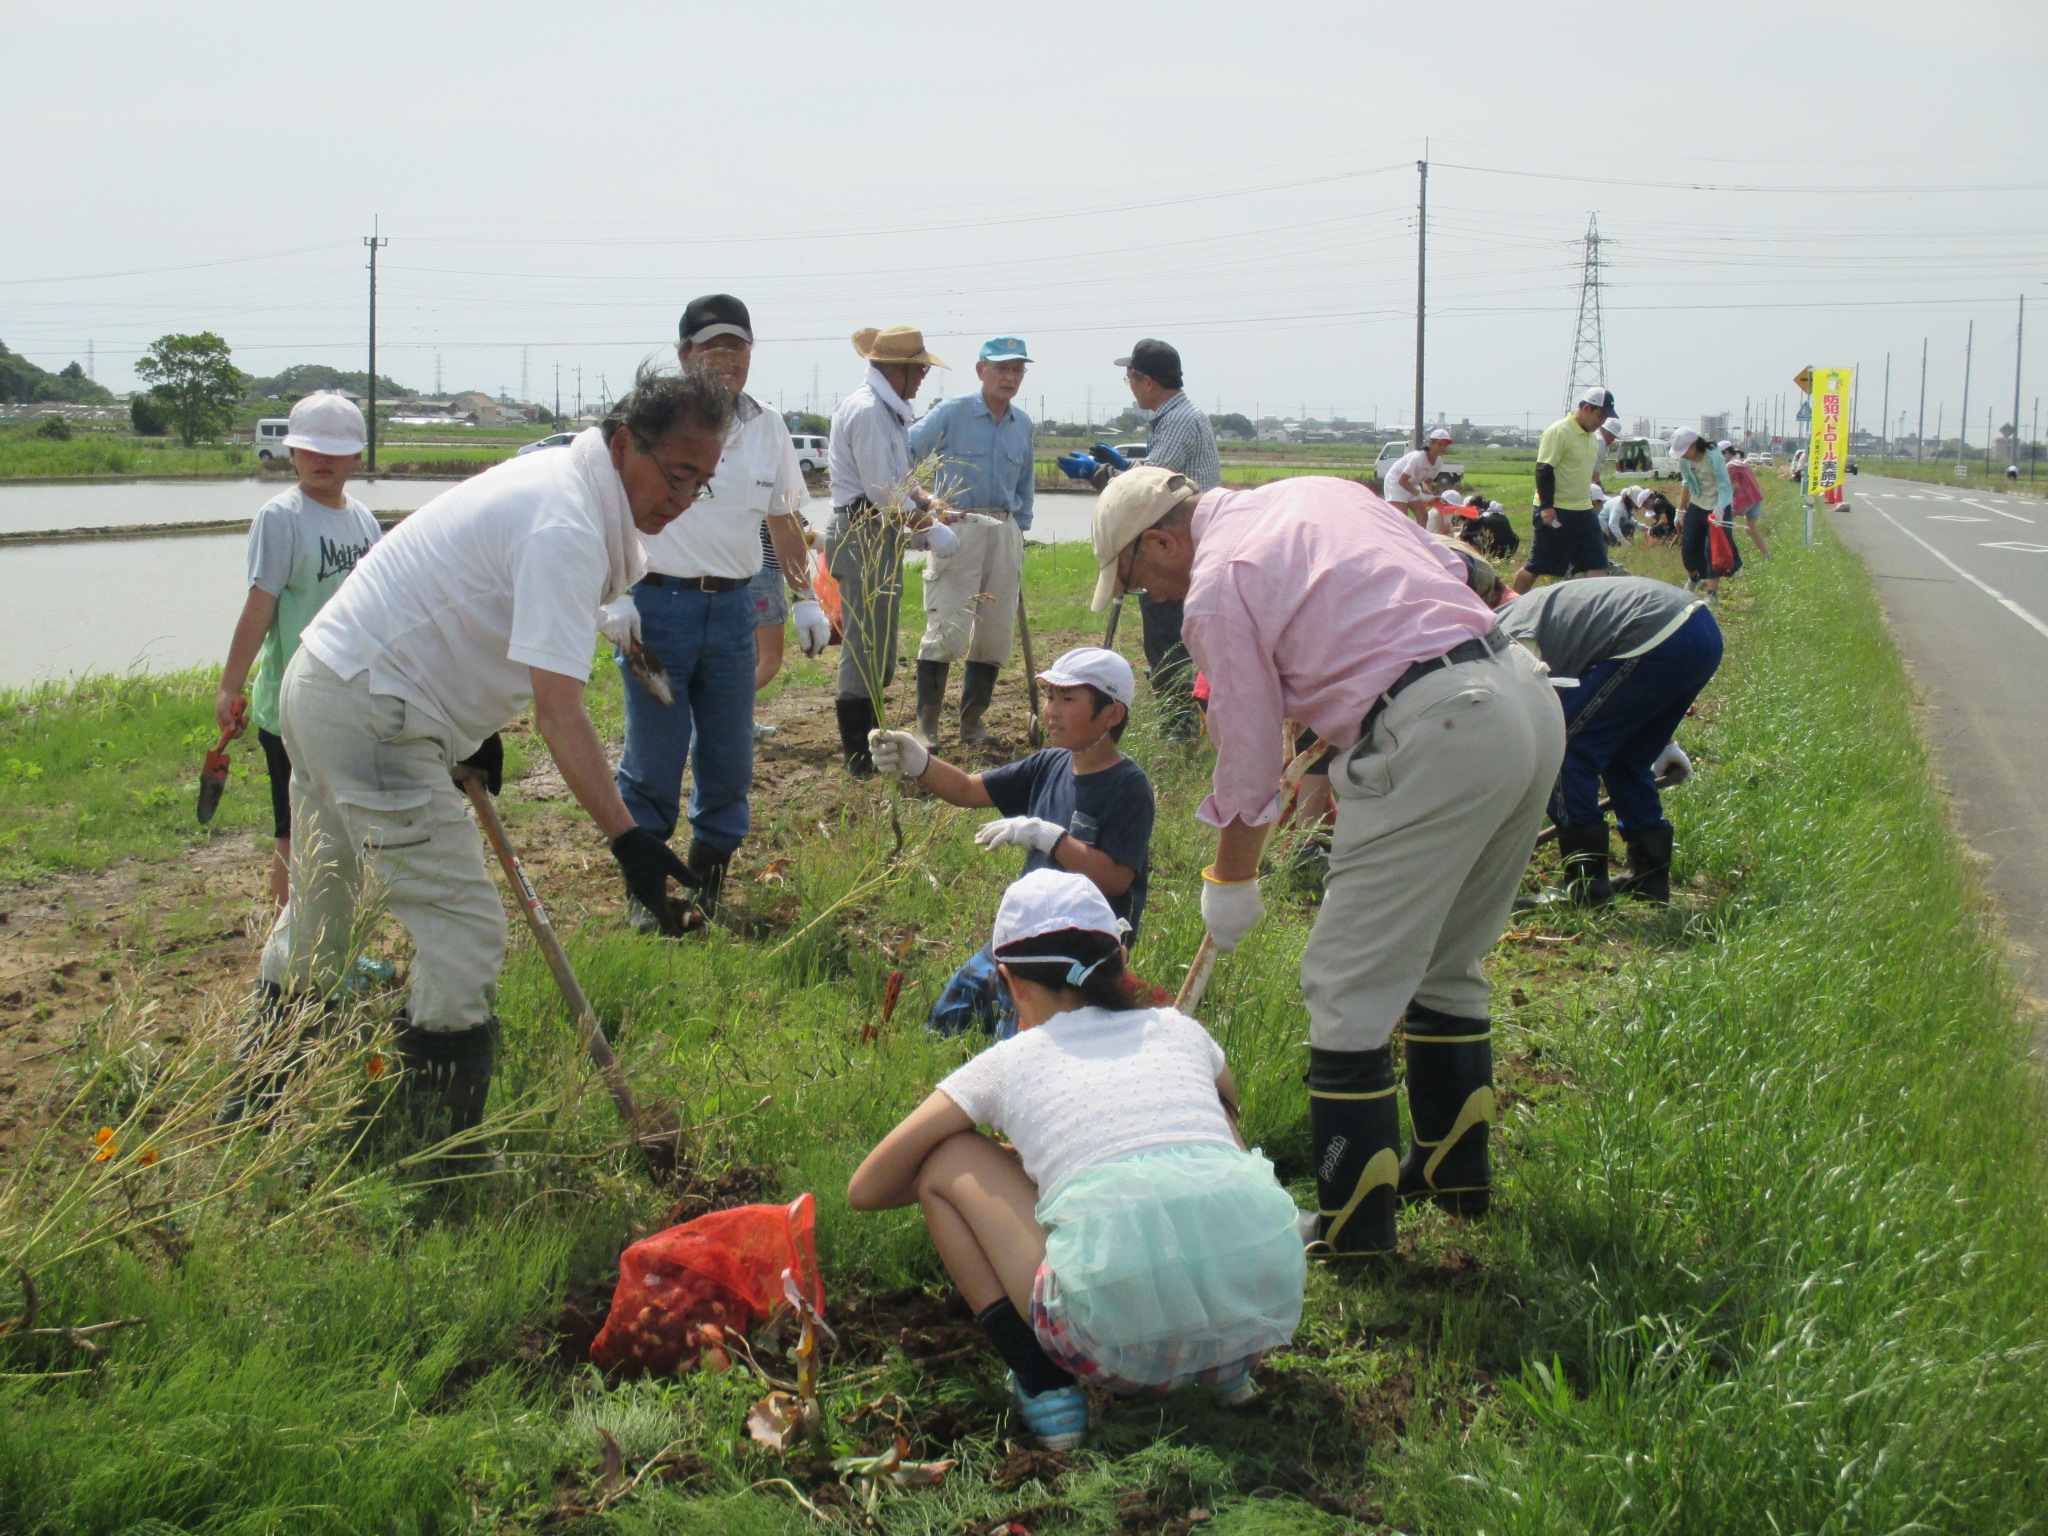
(327, 423)
(1053, 901)
(1090, 666)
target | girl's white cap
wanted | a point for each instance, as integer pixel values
(1682, 441)
(327, 423)
(1053, 901)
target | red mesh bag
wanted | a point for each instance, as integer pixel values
(724, 1269)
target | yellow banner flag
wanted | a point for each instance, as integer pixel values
(1827, 452)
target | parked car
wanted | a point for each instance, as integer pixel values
(270, 433)
(811, 453)
(552, 440)
(1135, 452)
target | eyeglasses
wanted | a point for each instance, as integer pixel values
(1126, 563)
(686, 490)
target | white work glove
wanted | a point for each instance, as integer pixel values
(1031, 832)
(898, 752)
(1672, 765)
(1230, 908)
(619, 621)
(940, 539)
(813, 629)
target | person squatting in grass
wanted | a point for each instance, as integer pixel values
(1749, 496)
(1411, 479)
(1627, 656)
(1565, 539)
(1079, 805)
(302, 545)
(1123, 1237)
(1313, 600)
(481, 604)
(696, 611)
(985, 470)
(1705, 496)
(877, 513)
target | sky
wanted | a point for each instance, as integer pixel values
(1774, 187)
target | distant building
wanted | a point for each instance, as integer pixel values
(1714, 428)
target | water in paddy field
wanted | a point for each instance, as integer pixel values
(158, 605)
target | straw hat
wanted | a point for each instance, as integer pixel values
(898, 344)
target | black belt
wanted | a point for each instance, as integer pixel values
(695, 583)
(855, 509)
(1492, 643)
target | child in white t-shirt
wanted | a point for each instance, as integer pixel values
(1124, 1219)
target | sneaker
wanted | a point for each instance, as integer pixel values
(1234, 1391)
(763, 730)
(1058, 1420)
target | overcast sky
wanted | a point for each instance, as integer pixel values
(556, 182)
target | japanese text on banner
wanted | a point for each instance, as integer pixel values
(1827, 456)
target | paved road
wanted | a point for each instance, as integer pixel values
(1964, 578)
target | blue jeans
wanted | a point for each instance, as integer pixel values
(974, 999)
(1619, 718)
(706, 641)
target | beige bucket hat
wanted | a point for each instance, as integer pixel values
(897, 344)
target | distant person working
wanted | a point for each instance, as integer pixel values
(1567, 540)
(1411, 481)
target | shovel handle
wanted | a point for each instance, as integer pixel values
(1030, 668)
(537, 920)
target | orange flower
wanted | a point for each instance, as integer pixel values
(375, 1065)
(103, 1135)
(107, 1150)
(147, 1156)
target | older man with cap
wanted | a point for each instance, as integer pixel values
(1180, 439)
(877, 513)
(1567, 539)
(480, 605)
(694, 612)
(1411, 482)
(985, 473)
(1314, 600)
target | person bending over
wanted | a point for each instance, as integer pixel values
(1080, 805)
(1123, 1237)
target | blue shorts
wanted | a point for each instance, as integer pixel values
(769, 592)
(1576, 544)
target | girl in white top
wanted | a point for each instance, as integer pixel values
(1123, 1219)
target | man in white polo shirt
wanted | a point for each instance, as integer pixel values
(481, 604)
(1411, 483)
(694, 610)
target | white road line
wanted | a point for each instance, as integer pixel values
(1987, 507)
(1951, 517)
(2019, 544)
(1985, 587)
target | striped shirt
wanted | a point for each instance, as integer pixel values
(1181, 438)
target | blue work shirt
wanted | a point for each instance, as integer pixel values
(984, 464)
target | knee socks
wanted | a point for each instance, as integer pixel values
(1012, 1336)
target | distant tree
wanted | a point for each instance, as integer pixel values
(302, 379)
(1231, 424)
(195, 381)
(55, 428)
(1130, 420)
(147, 415)
(23, 383)
(809, 424)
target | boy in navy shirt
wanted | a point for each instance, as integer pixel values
(1079, 805)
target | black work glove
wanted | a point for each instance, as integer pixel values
(488, 760)
(648, 865)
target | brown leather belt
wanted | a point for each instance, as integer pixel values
(694, 583)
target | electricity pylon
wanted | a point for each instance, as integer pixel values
(1589, 345)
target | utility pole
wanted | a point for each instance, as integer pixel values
(1855, 402)
(2019, 342)
(89, 362)
(376, 243)
(1884, 422)
(1589, 339)
(1963, 430)
(1421, 281)
(558, 397)
(1920, 427)
(525, 390)
(579, 392)
(437, 374)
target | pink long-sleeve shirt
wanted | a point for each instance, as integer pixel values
(1307, 600)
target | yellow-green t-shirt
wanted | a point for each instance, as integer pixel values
(1571, 452)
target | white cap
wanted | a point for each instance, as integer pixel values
(1090, 666)
(1682, 441)
(1452, 499)
(1599, 397)
(327, 423)
(1725, 444)
(1053, 901)
(1611, 426)
(1440, 435)
(1599, 490)
(1130, 504)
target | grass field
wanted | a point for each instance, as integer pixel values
(1979, 476)
(1768, 1255)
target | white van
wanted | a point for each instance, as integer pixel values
(270, 433)
(810, 453)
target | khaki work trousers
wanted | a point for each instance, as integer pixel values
(1437, 813)
(865, 556)
(970, 596)
(376, 818)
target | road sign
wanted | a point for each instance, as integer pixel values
(1804, 379)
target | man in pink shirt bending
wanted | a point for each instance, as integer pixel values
(1313, 600)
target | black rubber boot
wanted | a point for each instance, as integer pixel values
(263, 1066)
(856, 719)
(1450, 1110)
(1356, 1129)
(708, 864)
(931, 695)
(977, 687)
(1649, 865)
(447, 1078)
(1583, 875)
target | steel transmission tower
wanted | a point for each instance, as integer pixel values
(1589, 345)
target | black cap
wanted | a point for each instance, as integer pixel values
(716, 314)
(1156, 360)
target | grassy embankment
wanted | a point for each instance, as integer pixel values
(1768, 1254)
(1977, 477)
(122, 455)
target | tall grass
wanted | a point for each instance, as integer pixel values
(1768, 1254)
